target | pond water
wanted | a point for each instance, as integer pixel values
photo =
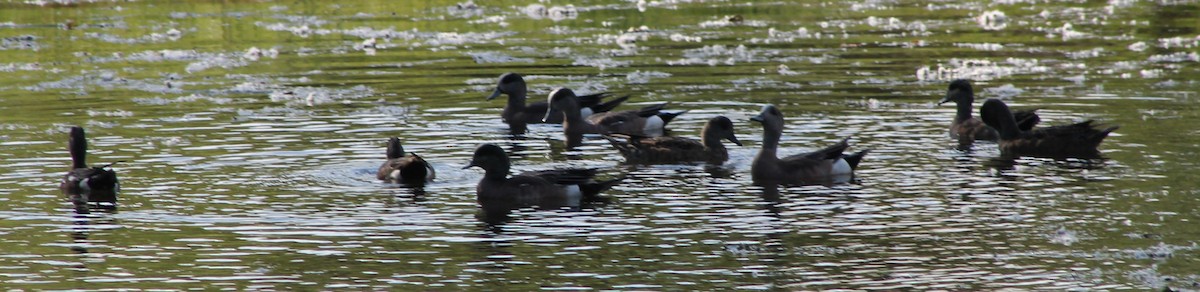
(250, 132)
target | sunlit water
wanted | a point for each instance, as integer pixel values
(251, 132)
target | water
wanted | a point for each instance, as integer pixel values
(233, 180)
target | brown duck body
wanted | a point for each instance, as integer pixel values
(406, 168)
(649, 121)
(83, 184)
(824, 166)
(966, 127)
(1079, 140)
(667, 149)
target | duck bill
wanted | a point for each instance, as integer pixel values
(734, 140)
(758, 118)
(948, 98)
(547, 116)
(470, 165)
(495, 93)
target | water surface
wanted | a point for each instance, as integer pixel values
(251, 132)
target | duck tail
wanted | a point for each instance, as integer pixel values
(77, 146)
(651, 110)
(625, 147)
(592, 190)
(667, 117)
(111, 164)
(854, 159)
(394, 149)
(592, 100)
(1099, 137)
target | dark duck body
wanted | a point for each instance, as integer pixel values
(406, 168)
(1079, 140)
(547, 189)
(83, 184)
(823, 166)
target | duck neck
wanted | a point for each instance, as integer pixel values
(964, 107)
(516, 100)
(571, 114)
(77, 146)
(770, 142)
(497, 172)
(711, 141)
(1007, 127)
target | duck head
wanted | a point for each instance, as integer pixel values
(722, 128)
(492, 159)
(510, 83)
(563, 99)
(959, 91)
(770, 118)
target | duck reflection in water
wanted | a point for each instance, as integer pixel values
(82, 227)
(770, 195)
(498, 193)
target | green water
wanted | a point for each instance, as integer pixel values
(232, 180)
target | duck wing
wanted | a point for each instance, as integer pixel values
(612, 120)
(657, 148)
(668, 144)
(651, 110)
(1083, 132)
(566, 176)
(829, 153)
(522, 191)
(815, 158)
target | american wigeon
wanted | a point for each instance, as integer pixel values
(649, 121)
(817, 167)
(518, 115)
(550, 189)
(82, 184)
(401, 167)
(668, 149)
(968, 128)
(1077, 140)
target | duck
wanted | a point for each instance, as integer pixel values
(968, 128)
(518, 115)
(1078, 140)
(406, 168)
(669, 149)
(818, 167)
(82, 184)
(649, 121)
(548, 189)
